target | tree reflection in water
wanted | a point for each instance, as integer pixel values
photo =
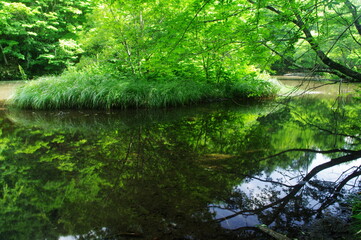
(294, 198)
(199, 173)
(291, 200)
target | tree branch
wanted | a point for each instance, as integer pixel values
(323, 56)
(338, 189)
(188, 26)
(355, 16)
(4, 56)
(341, 150)
(228, 16)
(345, 71)
(283, 201)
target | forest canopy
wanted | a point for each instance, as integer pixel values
(219, 38)
(226, 43)
(40, 36)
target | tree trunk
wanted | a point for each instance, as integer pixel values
(4, 56)
(323, 57)
(355, 16)
(343, 70)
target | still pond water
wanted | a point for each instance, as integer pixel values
(212, 171)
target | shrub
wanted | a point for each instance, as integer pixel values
(356, 210)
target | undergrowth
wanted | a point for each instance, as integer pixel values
(89, 89)
(356, 209)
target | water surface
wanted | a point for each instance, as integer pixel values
(7, 88)
(212, 171)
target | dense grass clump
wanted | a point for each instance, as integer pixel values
(89, 90)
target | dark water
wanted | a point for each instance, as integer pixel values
(214, 171)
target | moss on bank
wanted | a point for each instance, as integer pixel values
(104, 91)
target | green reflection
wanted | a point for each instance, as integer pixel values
(150, 174)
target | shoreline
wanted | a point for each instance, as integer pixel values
(2, 104)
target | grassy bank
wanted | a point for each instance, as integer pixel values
(104, 91)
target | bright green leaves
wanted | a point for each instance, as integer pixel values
(15, 25)
(305, 34)
(17, 11)
(40, 37)
(195, 40)
(190, 39)
(67, 52)
(29, 149)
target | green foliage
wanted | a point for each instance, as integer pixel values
(253, 85)
(40, 37)
(23, 74)
(356, 210)
(332, 26)
(156, 54)
(216, 41)
(98, 89)
(161, 40)
(143, 171)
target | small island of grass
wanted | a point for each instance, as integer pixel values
(98, 89)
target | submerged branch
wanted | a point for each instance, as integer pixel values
(341, 150)
(273, 233)
(268, 181)
(337, 192)
(283, 201)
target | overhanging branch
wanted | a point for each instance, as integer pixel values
(298, 21)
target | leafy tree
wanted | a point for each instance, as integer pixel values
(40, 36)
(204, 40)
(226, 39)
(195, 40)
(328, 29)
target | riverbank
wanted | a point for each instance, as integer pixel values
(7, 89)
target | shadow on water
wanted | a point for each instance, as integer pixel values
(207, 172)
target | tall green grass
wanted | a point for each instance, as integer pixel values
(104, 91)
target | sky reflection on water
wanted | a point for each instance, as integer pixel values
(172, 173)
